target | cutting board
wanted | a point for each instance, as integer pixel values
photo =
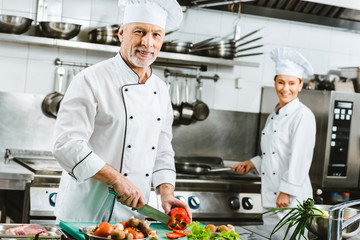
(72, 228)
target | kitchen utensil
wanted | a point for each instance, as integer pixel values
(177, 47)
(253, 40)
(320, 225)
(248, 55)
(14, 24)
(148, 211)
(249, 34)
(186, 108)
(197, 168)
(176, 105)
(60, 30)
(105, 35)
(201, 109)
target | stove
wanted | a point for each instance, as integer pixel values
(39, 197)
(219, 197)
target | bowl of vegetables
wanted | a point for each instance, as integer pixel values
(320, 225)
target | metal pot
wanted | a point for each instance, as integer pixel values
(197, 168)
(186, 108)
(319, 226)
(60, 30)
(201, 109)
(105, 35)
(178, 47)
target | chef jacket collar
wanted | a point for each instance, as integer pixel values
(288, 108)
(132, 77)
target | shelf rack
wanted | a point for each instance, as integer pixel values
(163, 56)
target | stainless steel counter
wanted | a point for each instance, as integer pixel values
(13, 176)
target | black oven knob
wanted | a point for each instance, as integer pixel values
(194, 202)
(52, 199)
(247, 203)
(181, 198)
(234, 203)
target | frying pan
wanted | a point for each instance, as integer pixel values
(176, 107)
(201, 109)
(197, 168)
(186, 108)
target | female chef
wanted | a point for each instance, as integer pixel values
(287, 140)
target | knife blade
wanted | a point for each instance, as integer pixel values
(149, 211)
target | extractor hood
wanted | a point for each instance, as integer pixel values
(335, 13)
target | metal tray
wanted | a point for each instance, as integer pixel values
(53, 231)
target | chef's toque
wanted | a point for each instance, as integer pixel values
(164, 13)
(290, 62)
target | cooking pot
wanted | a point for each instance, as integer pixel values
(197, 168)
(178, 47)
(105, 35)
(319, 226)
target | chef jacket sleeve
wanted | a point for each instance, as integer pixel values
(303, 141)
(164, 169)
(257, 162)
(73, 128)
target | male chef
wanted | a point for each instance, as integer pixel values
(114, 125)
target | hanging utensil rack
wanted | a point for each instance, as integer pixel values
(58, 62)
(198, 77)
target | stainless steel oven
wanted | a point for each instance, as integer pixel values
(36, 204)
(337, 150)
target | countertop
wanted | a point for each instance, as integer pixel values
(13, 176)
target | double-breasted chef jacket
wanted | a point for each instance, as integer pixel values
(107, 116)
(287, 144)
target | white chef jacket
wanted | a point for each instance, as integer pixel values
(107, 116)
(287, 144)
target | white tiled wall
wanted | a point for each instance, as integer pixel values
(30, 68)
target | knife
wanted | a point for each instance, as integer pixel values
(148, 211)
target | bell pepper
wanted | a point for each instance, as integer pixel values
(179, 218)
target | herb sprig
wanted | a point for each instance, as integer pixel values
(298, 217)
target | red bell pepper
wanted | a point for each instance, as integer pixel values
(173, 235)
(179, 219)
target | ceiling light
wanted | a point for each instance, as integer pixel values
(351, 4)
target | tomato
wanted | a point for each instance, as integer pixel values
(123, 223)
(173, 235)
(103, 230)
(183, 232)
(137, 234)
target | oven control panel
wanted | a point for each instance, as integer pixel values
(42, 201)
(221, 202)
(340, 137)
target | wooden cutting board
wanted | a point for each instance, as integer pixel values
(72, 228)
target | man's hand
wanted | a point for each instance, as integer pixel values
(283, 200)
(129, 194)
(169, 201)
(243, 167)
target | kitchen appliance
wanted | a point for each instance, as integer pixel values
(219, 197)
(337, 153)
(39, 197)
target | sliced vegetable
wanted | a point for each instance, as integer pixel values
(103, 230)
(173, 235)
(179, 219)
(183, 232)
(137, 234)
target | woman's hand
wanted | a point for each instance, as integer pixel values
(283, 200)
(243, 167)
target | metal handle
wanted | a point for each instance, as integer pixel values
(336, 222)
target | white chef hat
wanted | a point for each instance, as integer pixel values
(290, 62)
(164, 13)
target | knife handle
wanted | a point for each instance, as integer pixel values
(112, 191)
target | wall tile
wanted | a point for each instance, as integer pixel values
(41, 52)
(338, 60)
(78, 9)
(339, 42)
(13, 74)
(208, 22)
(319, 60)
(248, 99)
(276, 31)
(40, 77)
(299, 34)
(225, 95)
(18, 5)
(105, 10)
(8, 49)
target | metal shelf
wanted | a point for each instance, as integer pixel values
(164, 56)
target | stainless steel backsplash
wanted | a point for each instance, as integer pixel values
(226, 134)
